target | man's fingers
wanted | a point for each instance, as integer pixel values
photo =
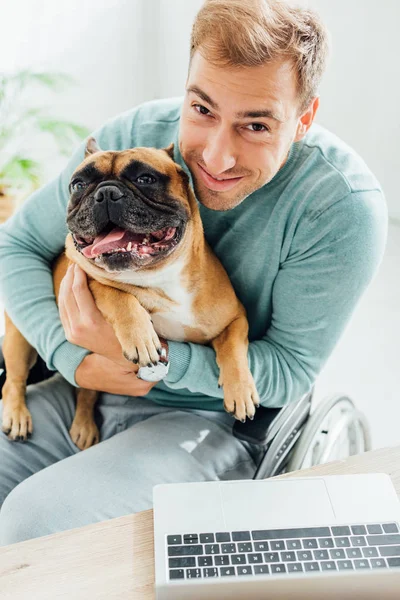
(67, 295)
(83, 296)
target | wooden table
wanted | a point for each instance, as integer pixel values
(114, 559)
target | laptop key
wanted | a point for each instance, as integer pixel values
(292, 544)
(264, 546)
(328, 565)
(177, 574)
(358, 530)
(228, 548)
(312, 543)
(241, 536)
(222, 560)
(273, 534)
(337, 553)
(311, 566)
(207, 538)
(277, 545)
(345, 565)
(279, 568)
(378, 563)
(304, 555)
(238, 559)
(244, 570)
(390, 528)
(223, 536)
(227, 571)
(326, 543)
(185, 550)
(288, 556)
(369, 552)
(322, 554)
(210, 572)
(342, 542)
(358, 540)
(190, 538)
(270, 557)
(205, 561)
(341, 530)
(374, 528)
(295, 567)
(211, 549)
(193, 573)
(353, 553)
(245, 547)
(394, 562)
(261, 570)
(255, 558)
(383, 540)
(174, 539)
(186, 561)
(389, 550)
(362, 564)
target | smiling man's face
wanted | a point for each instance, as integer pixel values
(237, 126)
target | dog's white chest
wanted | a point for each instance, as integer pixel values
(171, 325)
(167, 323)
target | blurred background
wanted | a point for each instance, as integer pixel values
(120, 53)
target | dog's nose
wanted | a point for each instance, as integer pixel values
(108, 192)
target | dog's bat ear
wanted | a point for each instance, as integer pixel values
(91, 147)
(170, 150)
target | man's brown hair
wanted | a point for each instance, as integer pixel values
(254, 32)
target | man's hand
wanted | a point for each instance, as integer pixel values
(98, 373)
(83, 323)
(107, 369)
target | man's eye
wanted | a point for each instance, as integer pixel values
(202, 110)
(258, 127)
(78, 186)
(145, 179)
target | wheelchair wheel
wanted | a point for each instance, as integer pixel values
(334, 431)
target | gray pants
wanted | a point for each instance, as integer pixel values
(48, 485)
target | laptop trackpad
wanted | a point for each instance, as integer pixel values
(262, 504)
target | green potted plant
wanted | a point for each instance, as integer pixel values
(20, 171)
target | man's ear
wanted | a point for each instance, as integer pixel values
(91, 147)
(306, 119)
(170, 151)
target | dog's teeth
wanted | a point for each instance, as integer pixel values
(129, 247)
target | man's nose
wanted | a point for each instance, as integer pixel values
(219, 155)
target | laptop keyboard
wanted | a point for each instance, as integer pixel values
(279, 551)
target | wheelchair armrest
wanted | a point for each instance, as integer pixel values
(256, 431)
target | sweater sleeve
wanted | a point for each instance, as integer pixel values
(29, 241)
(332, 259)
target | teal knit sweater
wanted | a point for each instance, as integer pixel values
(300, 252)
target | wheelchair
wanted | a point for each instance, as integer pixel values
(294, 437)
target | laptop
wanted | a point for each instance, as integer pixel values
(287, 539)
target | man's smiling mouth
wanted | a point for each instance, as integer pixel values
(217, 184)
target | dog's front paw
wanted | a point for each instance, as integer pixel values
(139, 341)
(84, 432)
(17, 423)
(240, 394)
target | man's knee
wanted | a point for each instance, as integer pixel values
(23, 514)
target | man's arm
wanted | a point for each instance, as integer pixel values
(29, 241)
(332, 260)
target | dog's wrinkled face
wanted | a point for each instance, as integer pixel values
(128, 210)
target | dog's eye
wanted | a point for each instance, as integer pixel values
(78, 186)
(145, 179)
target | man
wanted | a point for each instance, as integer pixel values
(295, 216)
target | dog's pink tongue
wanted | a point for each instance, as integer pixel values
(103, 240)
